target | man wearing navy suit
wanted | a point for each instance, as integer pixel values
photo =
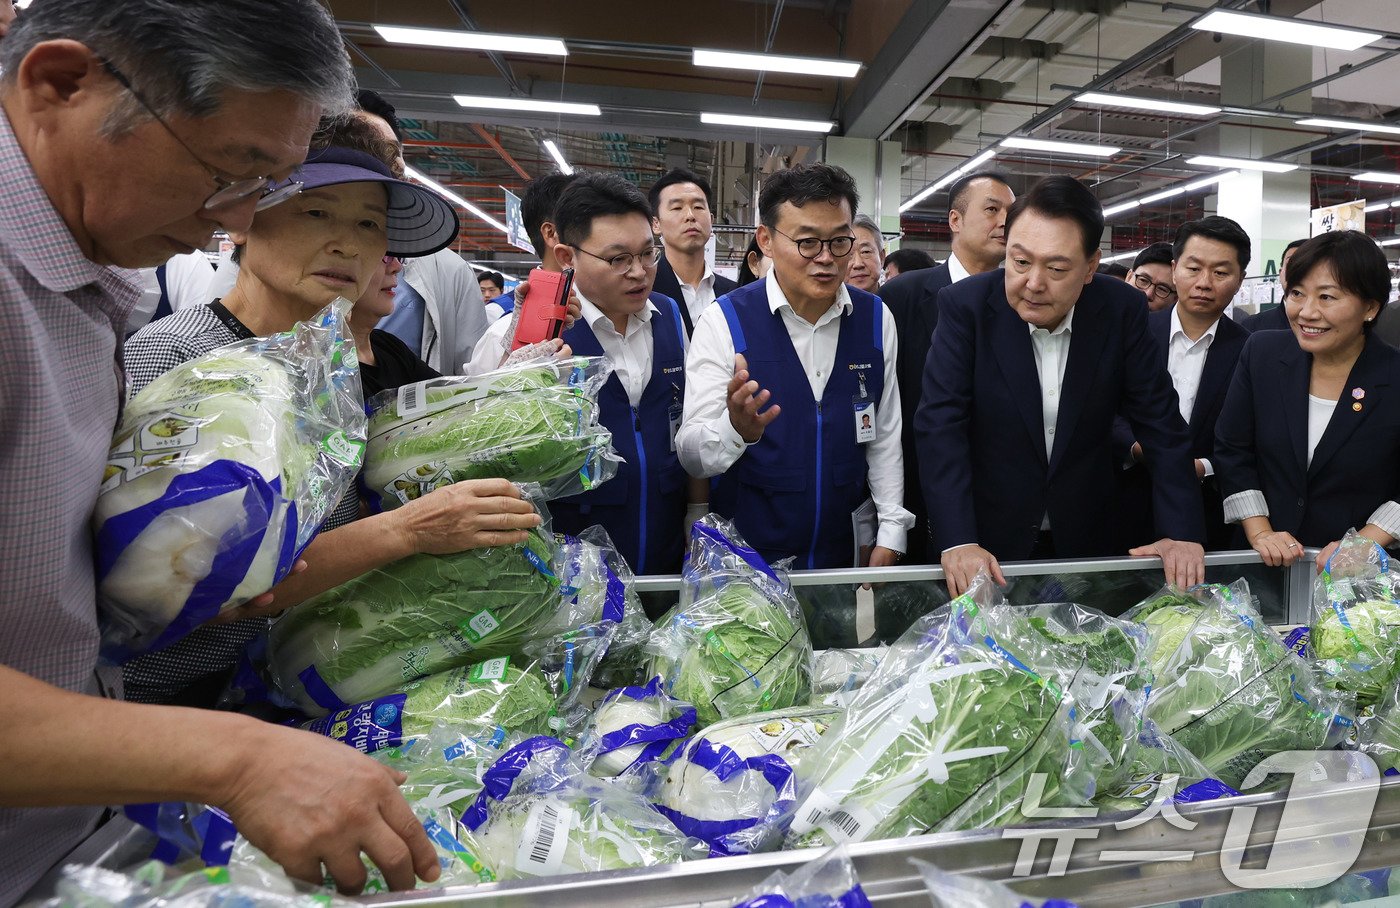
(1275, 319)
(683, 214)
(977, 206)
(1028, 369)
(1199, 348)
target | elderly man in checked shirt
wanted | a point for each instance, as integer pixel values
(115, 154)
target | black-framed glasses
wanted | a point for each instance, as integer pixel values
(1145, 283)
(229, 192)
(622, 262)
(809, 247)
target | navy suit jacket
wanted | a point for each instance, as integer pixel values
(1270, 320)
(668, 284)
(913, 303)
(986, 478)
(1262, 438)
(1135, 485)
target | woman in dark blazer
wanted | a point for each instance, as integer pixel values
(1308, 442)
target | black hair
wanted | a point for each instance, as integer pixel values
(803, 183)
(1216, 228)
(494, 277)
(537, 205)
(372, 102)
(1356, 261)
(746, 275)
(1291, 246)
(1114, 269)
(1063, 197)
(595, 195)
(907, 260)
(1156, 254)
(957, 193)
(676, 177)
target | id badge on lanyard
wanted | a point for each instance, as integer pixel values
(865, 413)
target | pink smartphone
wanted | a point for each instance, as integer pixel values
(545, 307)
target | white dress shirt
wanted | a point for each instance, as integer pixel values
(1320, 412)
(1186, 359)
(698, 298)
(708, 444)
(1051, 350)
(955, 268)
(629, 355)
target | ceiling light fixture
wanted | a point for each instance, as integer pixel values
(1293, 31)
(1349, 124)
(454, 198)
(780, 123)
(461, 40)
(560, 107)
(1167, 194)
(1206, 160)
(800, 66)
(1120, 208)
(1193, 186)
(947, 178)
(1394, 241)
(1371, 209)
(1134, 103)
(1375, 176)
(1122, 255)
(564, 166)
(1099, 151)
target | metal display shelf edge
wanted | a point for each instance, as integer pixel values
(888, 878)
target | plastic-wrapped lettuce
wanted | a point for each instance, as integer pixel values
(154, 885)
(1355, 618)
(1161, 769)
(736, 644)
(945, 735)
(1226, 687)
(951, 890)
(597, 586)
(1379, 733)
(535, 423)
(828, 881)
(411, 618)
(838, 673)
(219, 474)
(541, 814)
(633, 727)
(733, 784)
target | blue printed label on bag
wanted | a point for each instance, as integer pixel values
(367, 727)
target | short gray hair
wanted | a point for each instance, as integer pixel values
(182, 55)
(864, 221)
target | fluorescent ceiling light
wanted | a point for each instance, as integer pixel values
(1206, 160)
(1372, 176)
(1369, 209)
(1294, 31)
(1120, 208)
(1193, 186)
(1101, 151)
(716, 119)
(588, 110)
(1350, 124)
(1166, 194)
(438, 37)
(1395, 241)
(554, 152)
(1214, 178)
(1133, 103)
(801, 66)
(1121, 255)
(947, 178)
(454, 198)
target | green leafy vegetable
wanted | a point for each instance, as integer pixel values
(1355, 634)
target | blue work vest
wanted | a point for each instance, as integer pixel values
(792, 493)
(643, 506)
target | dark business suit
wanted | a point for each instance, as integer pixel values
(1135, 485)
(913, 303)
(1262, 438)
(1269, 320)
(986, 477)
(668, 284)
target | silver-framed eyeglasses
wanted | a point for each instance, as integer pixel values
(229, 192)
(622, 262)
(809, 247)
(1145, 283)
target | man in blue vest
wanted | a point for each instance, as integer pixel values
(820, 356)
(604, 229)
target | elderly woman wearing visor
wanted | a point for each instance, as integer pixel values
(328, 240)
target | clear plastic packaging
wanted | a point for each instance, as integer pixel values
(828, 881)
(220, 473)
(535, 423)
(1160, 769)
(951, 890)
(840, 672)
(1378, 734)
(154, 885)
(945, 735)
(185, 832)
(733, 784)
(633, 727)
(597, 586)
(540, 814)
(1355, 620)
(737, 642)
(1227, 688)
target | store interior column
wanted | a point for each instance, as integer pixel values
(875, 165)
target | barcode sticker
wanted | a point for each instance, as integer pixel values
(813, 811)
(544, 838)
(413, 400)
(848, 824)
